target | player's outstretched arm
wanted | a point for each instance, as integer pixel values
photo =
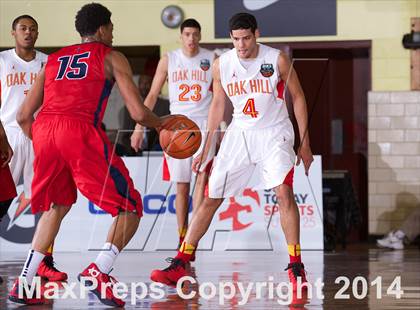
(151, 99)
(31, 104)
(6, 151)
(288, 74)
(216, 111)
(123, 75)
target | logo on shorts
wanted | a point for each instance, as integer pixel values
(204, 64)
(267, 70)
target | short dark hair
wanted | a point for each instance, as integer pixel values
(190, 22)
(17, 19)
(90, 17)
(243, 21)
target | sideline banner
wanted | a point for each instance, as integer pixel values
(247, 222)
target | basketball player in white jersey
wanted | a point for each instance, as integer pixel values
(187, 71)
(254, 77)
(19, 67)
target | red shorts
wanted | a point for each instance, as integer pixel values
(72, 154)
(7, 188)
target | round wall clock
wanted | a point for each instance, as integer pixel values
(172, 16)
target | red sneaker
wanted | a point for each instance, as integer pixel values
(46, 270)
(14, 296)
(295, 271)
(170, 275)
(92, 271)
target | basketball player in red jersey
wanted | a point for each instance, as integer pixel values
(72, 151)
(259, 139)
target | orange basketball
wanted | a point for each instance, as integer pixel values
(180, 138)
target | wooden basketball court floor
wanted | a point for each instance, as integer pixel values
(370, 272)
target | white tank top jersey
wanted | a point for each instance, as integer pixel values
(257, 93)
(16, 78)
(189, 83)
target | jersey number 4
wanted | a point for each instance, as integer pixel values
(249, 108)
(73, 67)
(196, 96)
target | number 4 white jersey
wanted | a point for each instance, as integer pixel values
(256, 92)
(16, 78)
(189, 81)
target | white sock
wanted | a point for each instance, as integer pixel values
(106, 257)
(31, 265)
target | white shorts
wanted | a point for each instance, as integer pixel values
(21, 164)
(179, 170)
(267, 152)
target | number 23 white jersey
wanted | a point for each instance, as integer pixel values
(189, 81)
(257, 93)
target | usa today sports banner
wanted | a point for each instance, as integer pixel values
(246, 222)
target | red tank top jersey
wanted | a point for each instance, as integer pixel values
(75, 83)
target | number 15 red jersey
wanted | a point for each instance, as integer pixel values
(75, 83)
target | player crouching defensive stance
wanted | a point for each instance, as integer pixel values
(260, 138)
(72, 151)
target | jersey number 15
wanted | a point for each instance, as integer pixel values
(73, 67)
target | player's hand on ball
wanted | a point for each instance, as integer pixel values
(166, 121)
(136, 139)
(305, 154)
